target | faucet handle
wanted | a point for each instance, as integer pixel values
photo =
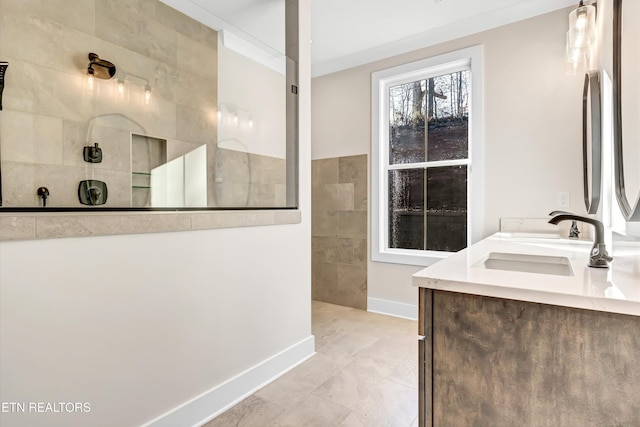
(574, 231)
(599, 257)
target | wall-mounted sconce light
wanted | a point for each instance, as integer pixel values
(230, 116)
(99, 68)
(123, 81)
(103, 69)
(147, 93)
(581, 35)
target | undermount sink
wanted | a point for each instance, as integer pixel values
(541, 264)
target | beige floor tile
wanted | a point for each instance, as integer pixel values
(354, 383)
(352, 421)
(390, 404)
(349, 345)
(251, 412)
(313, 411)
(364, 374)
(293, 387)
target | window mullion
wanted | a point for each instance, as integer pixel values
(426, 165)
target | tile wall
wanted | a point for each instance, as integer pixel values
(249, 180)
(339, 230)
(50, 113)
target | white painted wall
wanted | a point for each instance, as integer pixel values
(251, 90)
(532, 127)
(139, 324)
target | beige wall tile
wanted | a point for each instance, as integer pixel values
(62, 182)
(177, 148)
(31, 138)
(322, 249)
(93, 225)
(194, 125)
(352, 224)
(324, 279)
(352, 277)
(208, 220)
(324, 223)
(353, 169)
(28, 88)
(197, 58)
(39, 37)
(261, 195)
(126, 23)
(360, 251)
(339, 226)
(343, 251)
(57, 225)
(65, 181)
(324, 171)
(267, 169)
(17, 227)
(171, 18)
(287, 217)
(157, 119)
(192, 90)
(332, 197)
(360, 196)
(280, 191)
(348, 298)
(72, 98)
(115, 145)
(80, 15)
(20, 190)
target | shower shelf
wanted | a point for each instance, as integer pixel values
(141, 173)
(140, 186)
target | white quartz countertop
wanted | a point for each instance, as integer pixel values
(614, 290)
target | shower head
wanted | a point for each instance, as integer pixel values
(100, 68)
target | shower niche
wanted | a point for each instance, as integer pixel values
(147, 153)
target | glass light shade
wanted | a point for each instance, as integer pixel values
(90, 78)
(576, 55)
(582, 26)
(147, 94)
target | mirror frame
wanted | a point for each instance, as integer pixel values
(630, 213)
(591, 98)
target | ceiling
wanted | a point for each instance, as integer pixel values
(347, 33)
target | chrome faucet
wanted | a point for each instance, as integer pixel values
(599, 257)
(574, 231)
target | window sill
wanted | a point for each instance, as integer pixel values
(36, 225)
(409, 257)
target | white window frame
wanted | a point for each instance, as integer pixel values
(470, 58)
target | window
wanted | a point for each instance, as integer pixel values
(427, 165)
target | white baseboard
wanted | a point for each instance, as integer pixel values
(212, 403)
(392, 308)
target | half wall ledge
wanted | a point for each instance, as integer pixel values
(34, 226)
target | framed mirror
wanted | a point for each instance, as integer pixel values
(626, 106)
(152, 105)
(591, 142)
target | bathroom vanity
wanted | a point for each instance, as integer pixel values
(520, 331)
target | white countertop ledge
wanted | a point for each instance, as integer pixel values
(613, 290)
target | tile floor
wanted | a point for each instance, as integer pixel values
(364, 374)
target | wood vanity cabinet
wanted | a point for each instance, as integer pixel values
(495, 362)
